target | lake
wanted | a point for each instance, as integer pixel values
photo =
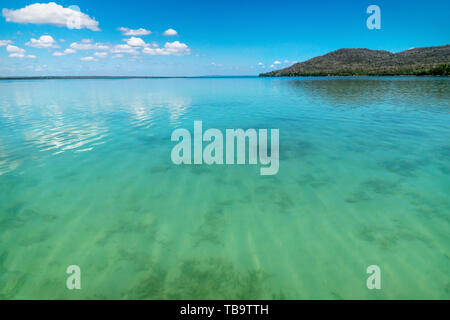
(86, 179)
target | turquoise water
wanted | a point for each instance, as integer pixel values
(86, 179)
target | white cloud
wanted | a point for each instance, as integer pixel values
(124, 48)
(65, 52)
(16, 52)
(116, 56)
(43, 42)
(86, 44)
(136, 42)
(276, 62)
(135, 32)
(5, 42)
(16, 55)
(260, 64)
(53, 14)
(88, 59)
(272, 66)
(101, 54)
(170, 32)
(175, 48)
(152, 52)
(14, 49)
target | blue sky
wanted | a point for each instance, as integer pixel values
(212, 37)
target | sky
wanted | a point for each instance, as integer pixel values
(198, 38)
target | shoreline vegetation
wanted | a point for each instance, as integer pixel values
(439, 70)
(426, 61)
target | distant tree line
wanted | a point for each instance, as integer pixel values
(438, 70)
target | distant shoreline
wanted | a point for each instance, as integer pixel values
(205, 77)
(114, 77)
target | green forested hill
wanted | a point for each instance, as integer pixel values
(347, 62)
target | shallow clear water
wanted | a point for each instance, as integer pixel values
(86, 179)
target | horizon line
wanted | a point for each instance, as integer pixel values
(118, 77)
